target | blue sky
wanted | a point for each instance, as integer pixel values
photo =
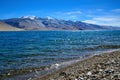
(103, 12)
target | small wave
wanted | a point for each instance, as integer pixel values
(103, 47)
(42, 71)
(109, 46)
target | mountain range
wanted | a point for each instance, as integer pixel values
(36, 23)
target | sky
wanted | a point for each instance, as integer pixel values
(102, 12)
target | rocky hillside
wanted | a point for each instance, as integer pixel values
(6, 27)
(35, 23)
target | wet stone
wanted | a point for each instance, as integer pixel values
(63, 74)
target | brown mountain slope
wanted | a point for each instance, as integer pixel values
(53, 24)
(6, 27)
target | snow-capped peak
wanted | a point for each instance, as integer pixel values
(29, 17)
(48, 17)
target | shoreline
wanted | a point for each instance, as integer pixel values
(38, 72)
(88, 68)
(20, 30)
(49, 73)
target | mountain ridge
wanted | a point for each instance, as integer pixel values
(36, 23)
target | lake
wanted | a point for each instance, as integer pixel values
(28, 50)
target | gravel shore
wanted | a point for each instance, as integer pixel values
(105, 66)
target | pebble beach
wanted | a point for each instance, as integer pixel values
(104, 66)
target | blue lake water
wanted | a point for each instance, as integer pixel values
(32, 49)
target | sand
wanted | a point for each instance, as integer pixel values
(104, 66)
(6, 27)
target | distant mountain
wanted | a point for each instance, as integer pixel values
(35, 23)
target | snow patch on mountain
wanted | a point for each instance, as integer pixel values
(29, 17)
(48, 17)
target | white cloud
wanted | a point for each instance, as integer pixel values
(73, 12)
(113, 21)
(90, 21)
(116, 10)
(94, 16)
(105, 18)
(69, 15)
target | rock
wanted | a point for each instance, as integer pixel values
(8, 74)
(106, 69)
(99, 66)
(29, 79)
(63, 74)
(94, 71)
(111, 62)
(116, 77)
(36, 72)
(109, 71)
(100, 70)
(76, 79)
(80, 78)
(89, 73)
